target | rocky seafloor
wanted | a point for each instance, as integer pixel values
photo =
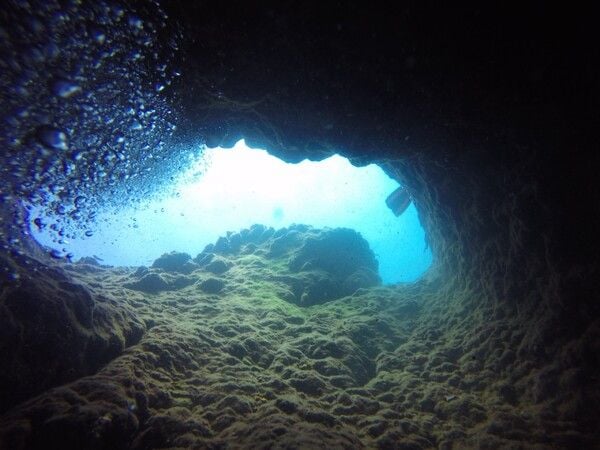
(269, 339)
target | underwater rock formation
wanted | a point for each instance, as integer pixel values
(55, 330)
(212, 285)
(174, 262)
(316, 266)
(326, 349)
(151, 283)
(236, 355)
(332, 264)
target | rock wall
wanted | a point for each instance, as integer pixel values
(490, 129)
(55, 330)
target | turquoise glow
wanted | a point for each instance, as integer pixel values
(231, 189)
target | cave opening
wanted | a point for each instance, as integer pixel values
(223, 191)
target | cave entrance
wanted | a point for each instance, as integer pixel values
(231, 189)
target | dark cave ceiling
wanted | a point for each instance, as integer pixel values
(459, 99)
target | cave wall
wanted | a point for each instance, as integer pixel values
(485, 115)
(54, 330)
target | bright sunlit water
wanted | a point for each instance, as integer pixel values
(232, 189)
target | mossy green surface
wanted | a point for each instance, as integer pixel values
(247, 366)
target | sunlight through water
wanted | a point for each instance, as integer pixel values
(231, 189)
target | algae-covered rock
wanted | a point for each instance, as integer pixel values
(217, 266)
(340, 251)
(181, 281)
(154, 283)
(314, 266)
(205, 257)
(55, 330)
(140, 272)
(333, 264)
(363, 277)
(222, 245)
(257, 234)
(175, 262)
(212, 285)
(151, 283)
(284, 240)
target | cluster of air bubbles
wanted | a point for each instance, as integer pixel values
(86, 117)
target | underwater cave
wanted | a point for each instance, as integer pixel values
(286, 337)
(227, 190)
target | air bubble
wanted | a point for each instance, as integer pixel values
(52, 50)
(53, 138)
(98, 36)
(14, 276)
(118, 12)
(39, 223)
(79, 201)
(57, 254)
(77, 86)
(135, 22)
(64, 88)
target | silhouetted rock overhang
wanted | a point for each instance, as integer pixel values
(473, 109)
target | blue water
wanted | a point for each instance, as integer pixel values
(230, 189)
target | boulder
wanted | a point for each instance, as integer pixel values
(175, 262)
(212, 285)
